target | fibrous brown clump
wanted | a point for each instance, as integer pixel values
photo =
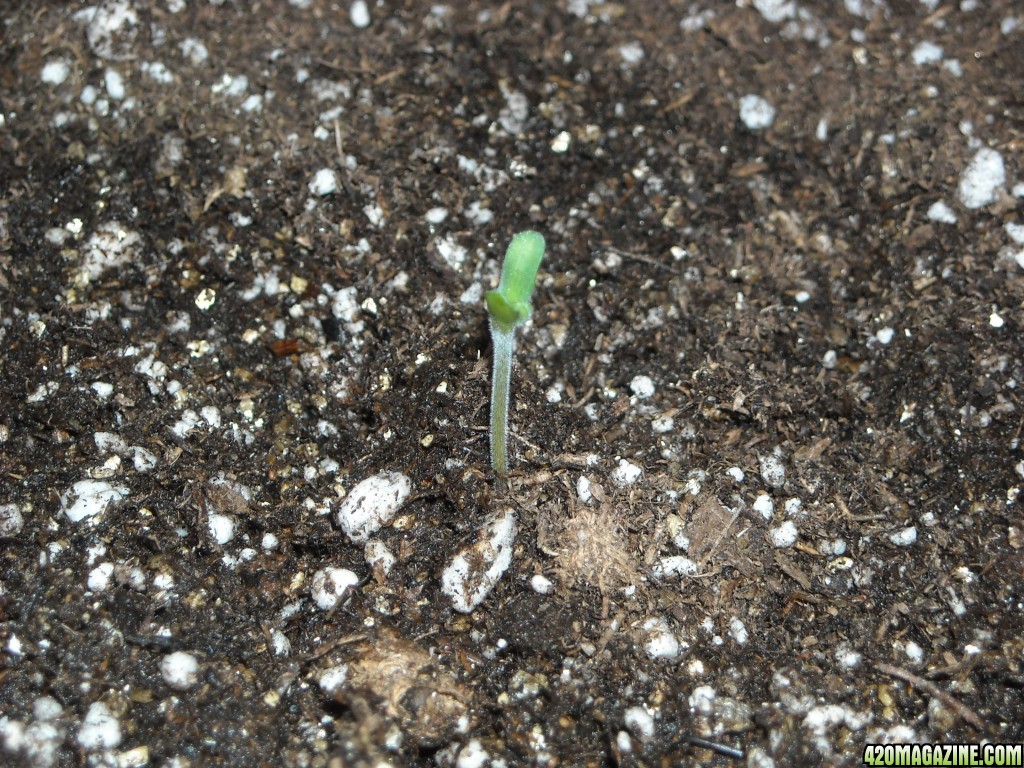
(591, 546)
(401, 680)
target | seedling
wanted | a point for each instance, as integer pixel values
(509, 307)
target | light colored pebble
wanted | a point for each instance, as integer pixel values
(112, 30)
(114, 84)
(379, 557)
(541, 585)
(981, 180)
(642, 387)
(99, 577)
(784, 536)
(773, 471)
(473, 755)
(476, 569)
(756, 113)
(281, 644)
(640, 722)
(372, 504)
(904, 537)
(738, 630)
(626, 473)
(46, 708)
(360, 14)
(776, 11)
(11, 520)
(848, 657)
(436, 215)
(186, 425)
(583, 489)
(110, 246)
(333, 679)
(90, 498)
(332, 586)
(55, 72)
(926, 52)
(942, 213)
(764, 506)
(663, 424)
(631, 53)
(702, 699)
(180, 670)
(324, 183)
(623, 742)
(674, 565)
(914, 652)
(660, 643)
(222, 528)
(134, 758)
(100, 729)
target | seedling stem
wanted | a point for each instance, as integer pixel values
(509, 307)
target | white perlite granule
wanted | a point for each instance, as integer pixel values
(981, 180)
(373, 504)
(180, 670)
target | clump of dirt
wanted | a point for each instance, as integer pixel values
(590, 545)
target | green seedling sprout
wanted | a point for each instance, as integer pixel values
(509, 307)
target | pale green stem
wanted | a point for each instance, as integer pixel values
(504, 344)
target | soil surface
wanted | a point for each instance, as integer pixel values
(764, 502)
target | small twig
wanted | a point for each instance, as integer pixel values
(614, 625)
(642, 259)
(338, 143)
(721, 749)
(330, 645)
(932, 689)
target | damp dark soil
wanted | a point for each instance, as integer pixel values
(764, 503)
